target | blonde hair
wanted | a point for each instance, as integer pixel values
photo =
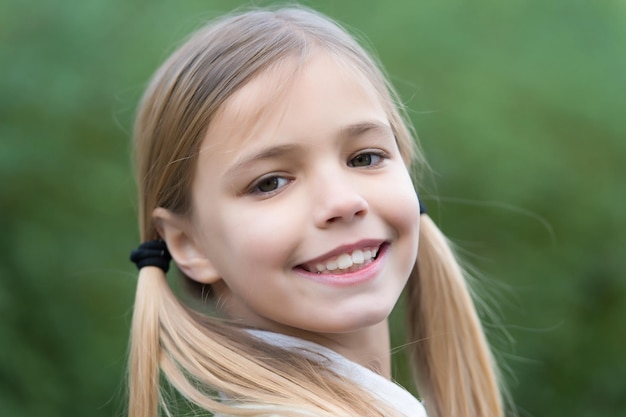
(208, 360)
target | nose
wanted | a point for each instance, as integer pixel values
(337, 200)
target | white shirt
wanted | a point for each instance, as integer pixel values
(388, 391)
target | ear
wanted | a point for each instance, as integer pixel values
(184, 248)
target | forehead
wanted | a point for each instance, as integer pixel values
(249, 108)
(285, 96)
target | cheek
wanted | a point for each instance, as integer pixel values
(399, 206)
(259, 235)
(406, 212)
(400, 203)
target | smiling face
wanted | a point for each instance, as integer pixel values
(302, 204)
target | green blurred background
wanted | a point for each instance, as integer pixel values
(520, 109)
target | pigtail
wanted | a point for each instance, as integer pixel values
(222, 369)
(144, 344)
(218, 366)
(455, 371)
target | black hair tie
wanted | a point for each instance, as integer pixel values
(422, 205)
(152, 253)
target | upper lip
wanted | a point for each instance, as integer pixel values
(349, 248)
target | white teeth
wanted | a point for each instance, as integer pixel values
(331, 265)
(358, 257)
(347, 260)
(344, 261)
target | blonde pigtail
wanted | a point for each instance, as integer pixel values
(215, 365)
(145, 345)
(455, 370)
(222, 369)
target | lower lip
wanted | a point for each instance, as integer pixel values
(365, 274)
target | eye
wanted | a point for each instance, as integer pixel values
(366, 159)
(268, 185)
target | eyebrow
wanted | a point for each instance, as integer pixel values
(350, 131)
(267, 153)
(358, 129)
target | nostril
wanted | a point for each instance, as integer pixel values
(348, 216)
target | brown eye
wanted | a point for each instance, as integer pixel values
(269, 185)
(362, 160)
(365, 159)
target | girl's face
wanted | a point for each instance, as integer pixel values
(302, 204)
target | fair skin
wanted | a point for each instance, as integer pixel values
(304, 217)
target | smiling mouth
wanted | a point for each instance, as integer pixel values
(346, 262)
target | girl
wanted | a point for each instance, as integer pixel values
(273, 165)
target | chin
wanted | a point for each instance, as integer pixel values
(354, 322)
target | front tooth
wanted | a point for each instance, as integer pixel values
(358, 257)
(331, 265)
(344, 261)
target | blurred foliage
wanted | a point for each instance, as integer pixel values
(519, 107)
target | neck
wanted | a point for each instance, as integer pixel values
(369, 347)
